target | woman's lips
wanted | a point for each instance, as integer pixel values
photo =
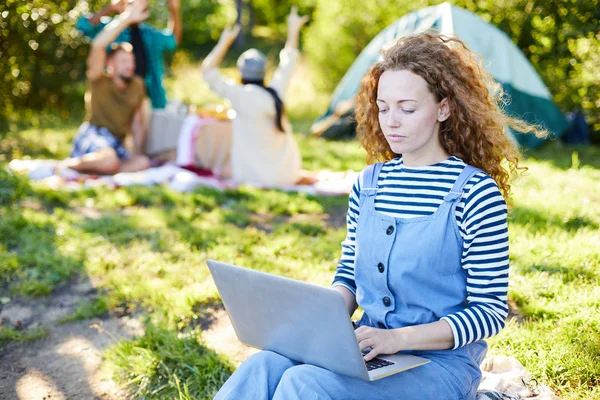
(396, 138)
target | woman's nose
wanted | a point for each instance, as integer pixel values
(392, 119)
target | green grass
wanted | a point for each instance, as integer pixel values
(147, 247)
(12, 335)
(166, 364)
(88, 309)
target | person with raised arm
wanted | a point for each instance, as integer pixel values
(264, 152)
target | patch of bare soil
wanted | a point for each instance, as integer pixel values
(66, 363)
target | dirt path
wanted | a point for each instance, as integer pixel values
(65, 364)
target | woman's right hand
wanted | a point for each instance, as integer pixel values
(229, 34)
(136, 12)
(295, 21)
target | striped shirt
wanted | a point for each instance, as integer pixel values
(408, 192)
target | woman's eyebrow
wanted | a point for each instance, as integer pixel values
(398, 102)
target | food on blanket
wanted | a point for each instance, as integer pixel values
(217, 111)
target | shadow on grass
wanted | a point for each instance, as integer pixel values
(31, 262)
(567, 274)
(536, 220)
(122, 231)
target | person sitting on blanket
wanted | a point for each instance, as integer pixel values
(263, 151)
(116, 105)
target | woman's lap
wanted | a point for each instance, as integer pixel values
(268, 375)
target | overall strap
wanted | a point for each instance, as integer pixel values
(464, 177)
(369, 181)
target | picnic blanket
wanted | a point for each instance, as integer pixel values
(181, 179)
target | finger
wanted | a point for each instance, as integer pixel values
(361, 333)
(294, 10)
(304, 19)
(363, 344)
(371, 355)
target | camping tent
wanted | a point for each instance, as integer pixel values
(529, 96)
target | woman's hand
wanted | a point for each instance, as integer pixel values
(381, 341)
(135, 12)
(229, 34)
(295, 21)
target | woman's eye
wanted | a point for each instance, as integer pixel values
(408, 111)
(383, 110)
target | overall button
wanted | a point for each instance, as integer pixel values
(386, 301)
(390, 230)
(381, 325)
(381, 267)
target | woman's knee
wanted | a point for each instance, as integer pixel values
(267, 358)
(302, 378)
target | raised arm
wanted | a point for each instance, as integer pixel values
(95, 62)
(175, 20)
(289, 55)
(108, 10)
(295, 24)
(215, 57)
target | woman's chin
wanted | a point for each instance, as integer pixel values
(398, 148)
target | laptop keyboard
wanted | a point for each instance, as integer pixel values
(377, 363)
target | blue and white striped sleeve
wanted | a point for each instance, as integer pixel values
(482, 217)
(344, 274)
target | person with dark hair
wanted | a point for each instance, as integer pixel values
(426, 251)
(116, 105)
(264, 151)
(148, 43)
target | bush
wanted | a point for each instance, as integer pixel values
(42, 56)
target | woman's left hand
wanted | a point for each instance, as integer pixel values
(295, 21)
(229, 34)
(381, 341)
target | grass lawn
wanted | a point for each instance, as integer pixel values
(146, 248)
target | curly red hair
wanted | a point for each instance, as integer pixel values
(475, 130)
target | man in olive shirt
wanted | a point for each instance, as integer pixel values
(116, 105)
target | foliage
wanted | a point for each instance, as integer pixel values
(202, 22)
(41, 55)
(560, 38)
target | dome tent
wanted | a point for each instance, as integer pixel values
(529, 98)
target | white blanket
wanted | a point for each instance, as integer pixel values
(506, 378)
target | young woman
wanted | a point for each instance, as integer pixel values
(264, 151)
(426, 253)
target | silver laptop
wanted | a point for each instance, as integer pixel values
(303, 322)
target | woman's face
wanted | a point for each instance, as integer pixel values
(409, 116)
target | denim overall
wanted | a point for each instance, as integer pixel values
(407, 271)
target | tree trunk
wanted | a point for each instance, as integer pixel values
(240, 41)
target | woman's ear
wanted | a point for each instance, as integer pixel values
(443, 110)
